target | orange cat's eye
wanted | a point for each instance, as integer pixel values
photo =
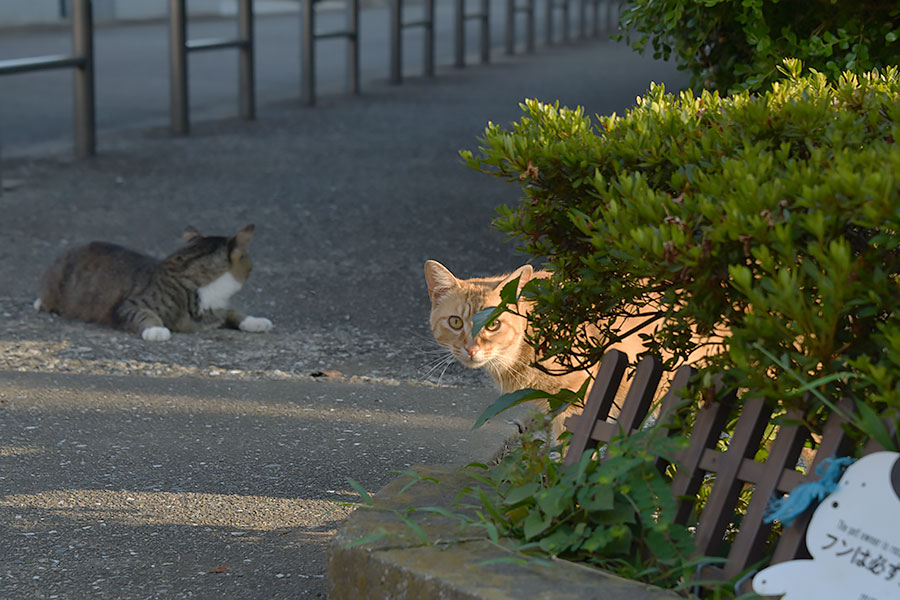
(455, 322)
(493, 326)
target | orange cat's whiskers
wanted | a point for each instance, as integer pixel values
(442, 363)
(512, 365)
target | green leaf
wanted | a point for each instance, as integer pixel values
(485, 317)
(874, 426)
(523, 492)
(489, 505)
(597, 541)
(509, 295)
(560, 541)
(415, 478)
(535, 524)
(551, 501)
(507, 401)
(444, 512)
(510, 292)
(492, 531)
(503, 560)
(596, 497)
(415, 528)
(367, 499)
(375, 535)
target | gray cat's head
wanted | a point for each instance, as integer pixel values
(204, 259)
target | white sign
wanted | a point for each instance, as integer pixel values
(853, 537)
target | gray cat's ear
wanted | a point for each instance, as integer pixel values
(440, 280)
(190, 234)
(524, 273)
(244, 236)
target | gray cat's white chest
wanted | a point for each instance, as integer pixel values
(217, 294)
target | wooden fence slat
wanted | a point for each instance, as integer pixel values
(835, 442)
(673, 398)
(744, 443)
(688, 477)
(598, 403)
(750, 541)
(640, 394)
(603, 430)
(670, 404)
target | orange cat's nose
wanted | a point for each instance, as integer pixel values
(472, 350)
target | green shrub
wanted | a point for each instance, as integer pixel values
(729, 44)
(618, 514)
(775, 218)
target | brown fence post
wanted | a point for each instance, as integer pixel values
(597, 405)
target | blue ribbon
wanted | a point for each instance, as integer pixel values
(788, 508)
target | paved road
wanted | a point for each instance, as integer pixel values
(115, 487)
(132, 470)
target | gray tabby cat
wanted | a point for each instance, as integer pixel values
(188, 290)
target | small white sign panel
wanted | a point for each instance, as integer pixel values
(853, 537)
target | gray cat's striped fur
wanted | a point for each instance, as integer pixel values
(188, 290)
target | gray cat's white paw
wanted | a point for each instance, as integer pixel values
(156, 334)
(255, 324)
(37, 304)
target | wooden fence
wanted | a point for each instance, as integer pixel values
(734, 469)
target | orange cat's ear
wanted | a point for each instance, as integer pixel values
(440, 280)
(524, 273)
(244, 236)
(190, 234)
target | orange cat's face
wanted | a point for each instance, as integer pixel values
(453, 304)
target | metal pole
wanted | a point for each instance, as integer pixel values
(307, 58)
(396, 56)
(548, 23)
(83, 45)
(596, 29)
(428, 51)
(582, 19)
(246, 71)
(178, 81)
(510, 27)
(565, 20)
(485, 32)
(529, 28)
(353, 47)
(460, 34)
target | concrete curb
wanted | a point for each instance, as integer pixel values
(399, 566)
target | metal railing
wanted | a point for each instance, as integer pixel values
(307, 49)
(512, 9)
(397, 26)
(460, 32)
(82, 60)
(563, 6)
(180, 46)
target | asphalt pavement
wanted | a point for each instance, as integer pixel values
(214, 465)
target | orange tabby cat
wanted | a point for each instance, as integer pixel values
(499, 348)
